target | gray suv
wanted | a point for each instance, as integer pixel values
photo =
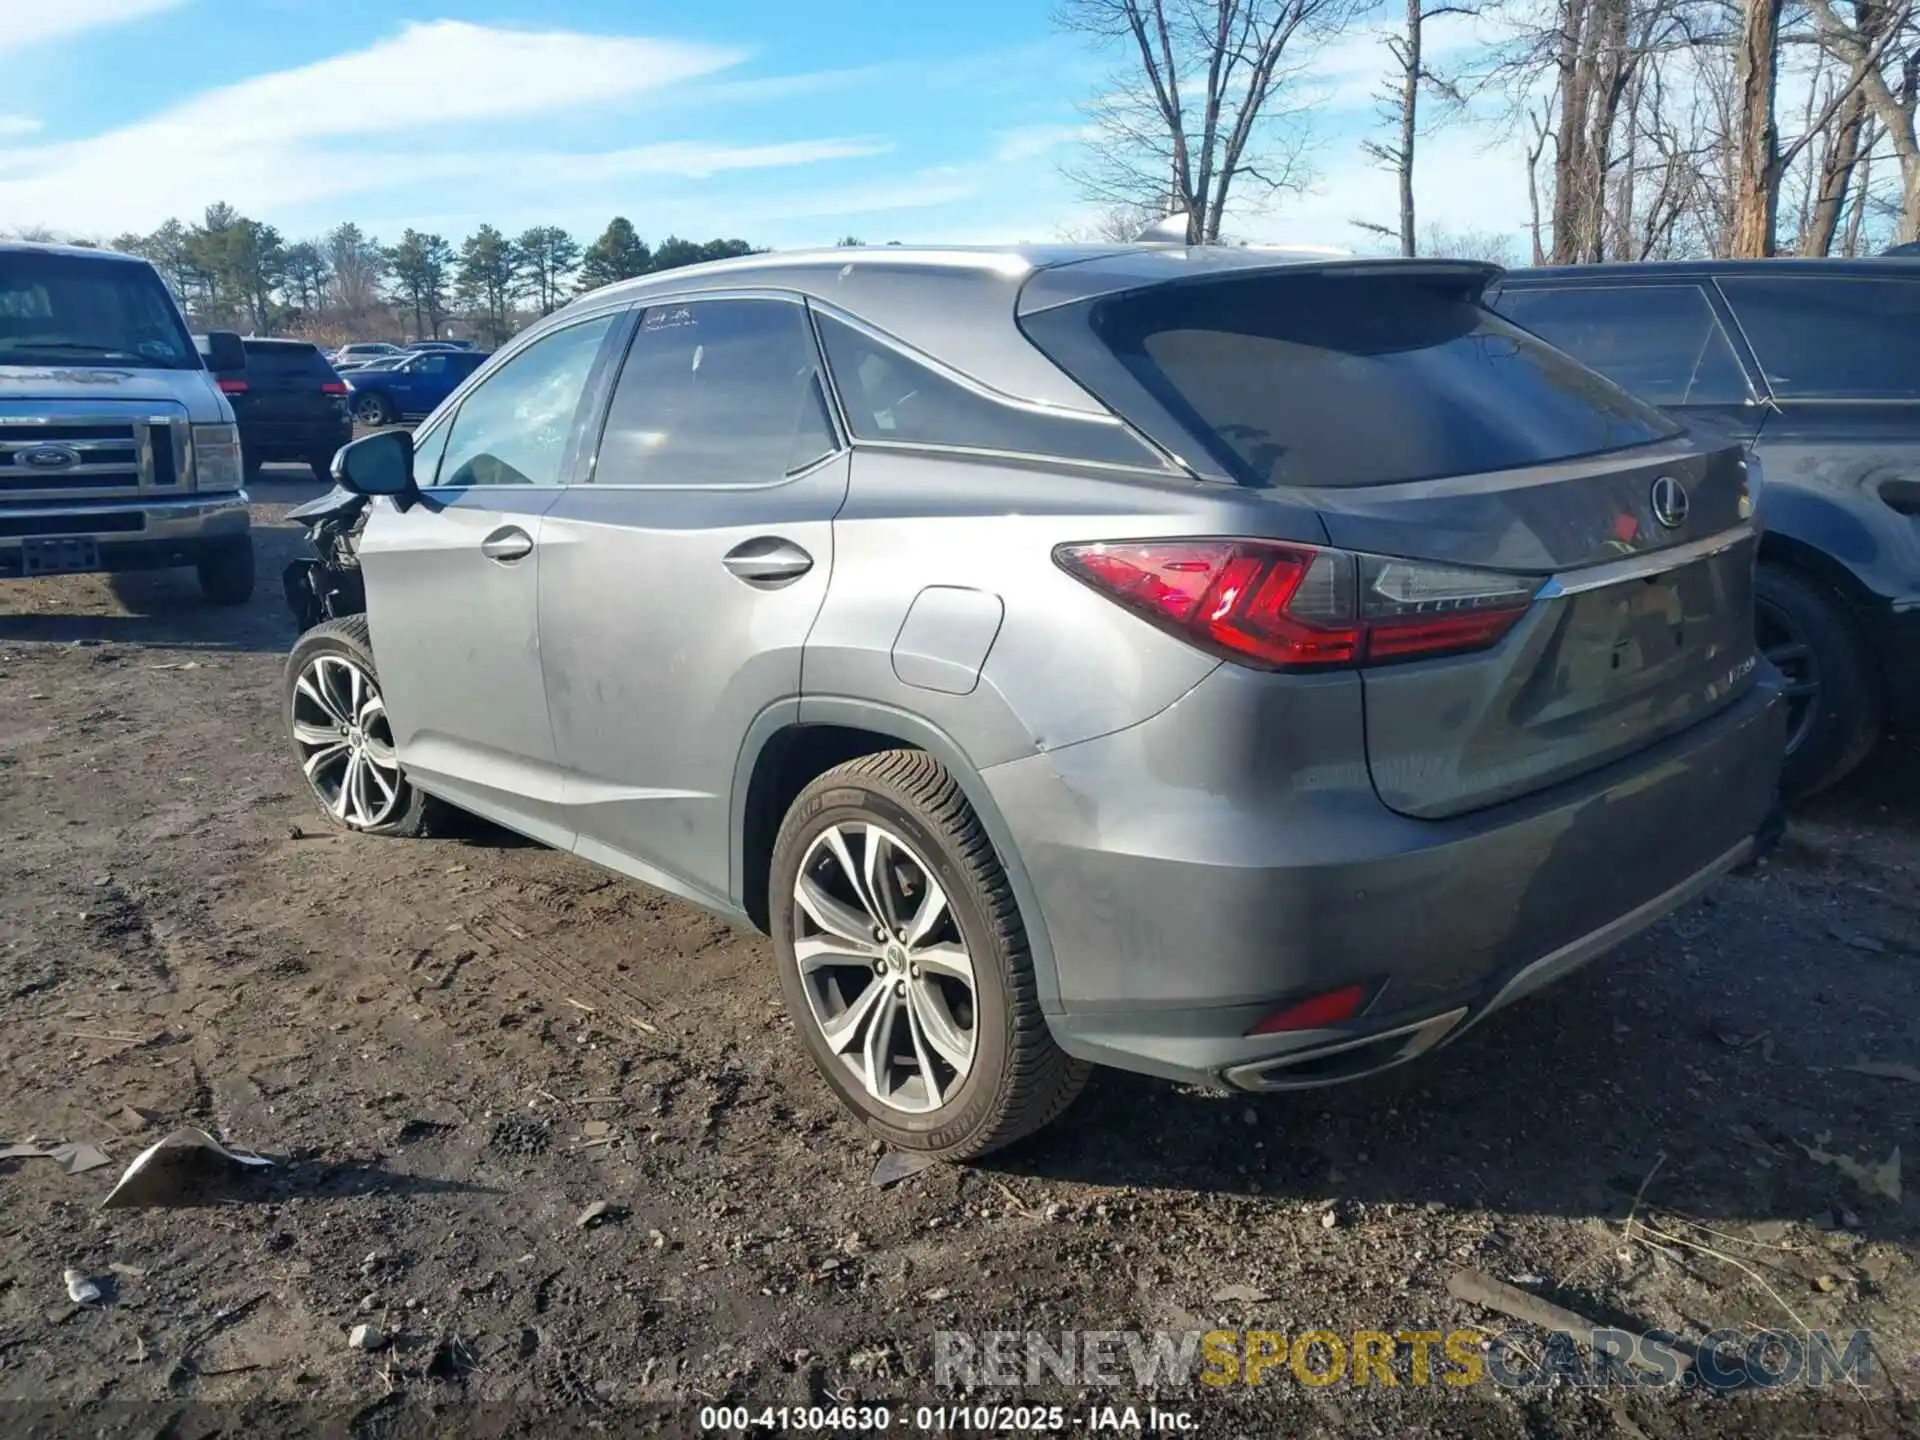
(1246, 668)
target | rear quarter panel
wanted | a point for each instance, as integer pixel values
(1064, 664)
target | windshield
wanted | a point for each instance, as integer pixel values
(75, 310)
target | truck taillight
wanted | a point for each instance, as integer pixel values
(1281, 606)
(233, 387)
(333, 387)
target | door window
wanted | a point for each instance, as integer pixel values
(514, 428)
(1662, 342)
(1821, 338)
(716, 393)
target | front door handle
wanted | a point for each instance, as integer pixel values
(768, 560)
(507, 544)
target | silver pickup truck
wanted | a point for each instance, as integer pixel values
(117, 450)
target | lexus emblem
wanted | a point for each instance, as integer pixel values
(47, 457)
(1669, 502)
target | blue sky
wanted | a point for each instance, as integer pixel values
(779, 122)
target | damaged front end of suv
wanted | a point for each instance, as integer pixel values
(327, 585)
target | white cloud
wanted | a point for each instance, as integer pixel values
(34, 22)
(278, 142)
(12, 127)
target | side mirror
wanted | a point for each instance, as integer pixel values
(379, 464)
(225, 352)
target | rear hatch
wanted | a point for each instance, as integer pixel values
(1610, 551)
(287, 383)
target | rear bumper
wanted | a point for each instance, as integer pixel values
(1191, 881)
(314, 439)
(128, 534)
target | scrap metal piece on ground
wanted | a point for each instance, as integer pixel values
(163, 1173)
(898, 1165)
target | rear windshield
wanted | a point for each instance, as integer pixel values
(287, 359)
(74, 310)
(1343, 380)
(1832, 338)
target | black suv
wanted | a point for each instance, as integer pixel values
(289, 403)
(1815, 365)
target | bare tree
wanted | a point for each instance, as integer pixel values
(1881, 38)
(1193, 107)
(1114, 225)
(1401, 108)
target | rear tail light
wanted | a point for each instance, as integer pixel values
(1280, 606)
(1316, 1011)
(233, 387)
(333, 387)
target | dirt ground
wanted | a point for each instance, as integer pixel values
(452, 1048)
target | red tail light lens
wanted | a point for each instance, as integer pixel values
(1315, 1011)
(333, 387)
(1281, 606)
(233, 387)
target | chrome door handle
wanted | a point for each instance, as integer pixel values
(768, 560)
(507, 544)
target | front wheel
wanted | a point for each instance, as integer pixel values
(337, 719)
(905, 964)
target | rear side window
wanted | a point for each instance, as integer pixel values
(1341, 380)
(1832, 339)
(891, 397)
(1662, 342)
(716, 393)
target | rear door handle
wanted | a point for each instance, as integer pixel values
(507, 544)
(768, 560)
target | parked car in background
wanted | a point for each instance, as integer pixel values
(1910, 249)
(1248, 669)
(289, 404)
(362, 350)
(414, 346)
(1814, 366)
(408, 388)
(117, 451)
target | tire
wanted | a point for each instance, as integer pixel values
(1834, 706)
(226, 572)
(1016, 1079)
(373, 408)
(323, 658)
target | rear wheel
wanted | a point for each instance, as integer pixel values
(905, 964)
(337, 720)
(373, 408)
(1833, 707)
(226, 572)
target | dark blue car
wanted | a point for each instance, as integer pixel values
(409, 389)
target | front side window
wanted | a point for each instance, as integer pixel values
(1820, 338)
(75, 311)
(716, 393)
(514, 428)
(1340, 380)
(1662, 342)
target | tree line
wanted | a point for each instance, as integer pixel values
(229, 270)
(1651, 129)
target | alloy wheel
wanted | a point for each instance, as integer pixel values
(345, 743)
(1785, 644)
(887, 976)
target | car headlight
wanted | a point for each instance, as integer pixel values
(216, 457)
